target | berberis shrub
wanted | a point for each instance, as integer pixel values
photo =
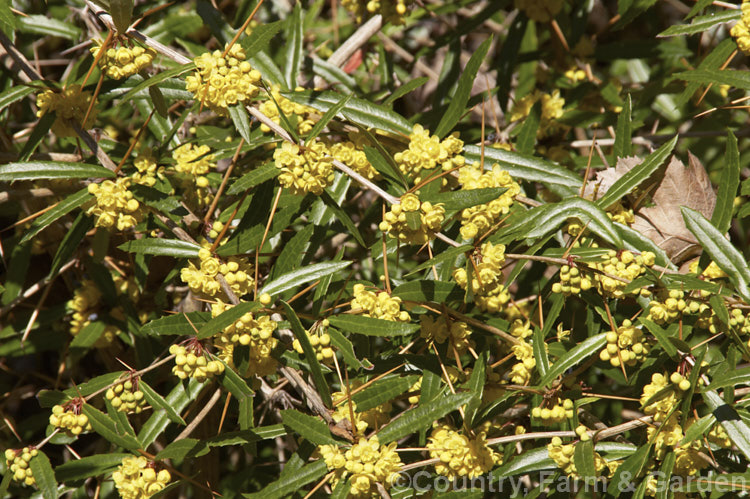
(374, 249)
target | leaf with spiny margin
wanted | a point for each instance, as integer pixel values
(546, 218)
(44, 475)
(434, 291)
(294, 40)
(164, 247)
(226, 319)
(730, 180)
(310, 356)
(177, 325)
(343, 217)
(721, 251)
(89, 466)
(575, 356)
(180, 396)
(233, 382)
(304, 275)
(476, 387)
(457, 106)
(737, 430)
(422, 416)
(346, 349)
(700, 24)
(731, 378)
(712, 61)
(583, 458)
(623, 135)
(290, 256)
(157, 402)
(327, 117)
(156, 79)
(459, 200)
(106, 427)
(661, 337)
(526, 139)
(732, 77)
(260, 37)
(14, 94)
(61, 209)
(311, 428)
(292, 483)
(370, 326)
(253, 178)
(238, 113)
(36, 170)
(383, 391)
(404, 89)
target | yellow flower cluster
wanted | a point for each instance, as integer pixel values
(558, 413)
(426, 152)
(353, 157)
(626, 346)
(203, 280)
(477, 220)
(69, 418)
(320, 340)
(413, 221)
(70, 106)
(191, 361)
(193, 160)
(562, 454)
(542, 11)
(136, 478)
(115, 205)
(671, 304)
(122, 62)
(520, 373)
(712, 273)
(625, 265)
(441, 329)
(18, 462)
(223, 81)
(393, 11)
(741, 30)
(126, 397)
(365, 464)
(380, 305)
(487, 278)
(304, 168)
(305, 116)
(661, 408)
(374, 418)
(461, 455)
(520, 329)
(552, 109)
(86, 305)
(255, 331)
(147, 168)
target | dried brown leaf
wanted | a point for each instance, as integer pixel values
(606, 178)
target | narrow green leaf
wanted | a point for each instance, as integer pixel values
(107, 428)
(576, 355)
(238, 113)
(180, 396)
(180, 449)
(157, 402)
(525, 167)
(663, 478)
(93, 385)
(342, 216)
(701, 23)
(424, 291)
(261, 37)
(623, 136)
(370, 326)
(633, 178)
(36, 170)
(293, 58)
(43, 25)
(86, 338)
(404, 89)
(698, 428)
(253, 178)
(38, 134)
(457, 105)
(157, 78)
(44, 476)
(548, 217)
(333, 74)
(7, 26)
(661, 337)
(637, 241)
(721, 251)
(714, 60)
(732, 77)
(448, 255)
(177, 325)
(226, 319)
(380, 161)
(289, 484)
(459, 200)
(290, 257)
(540, 350)
(234, 383)
(383, 391)
(14, 94)
(731, 378)
(268, 69)
(313, 429)
(62, 208)
(122, 13)
(327, 117)
(302, 276)
(476, 388)
(71, 242)
(730, 180)
(345, 348)
(422, 416)
(163, 247)
(624, 478)
(529, 462)
(526, 139)
(583, 458)
(312, 360)
(89, 466)
(737, 430)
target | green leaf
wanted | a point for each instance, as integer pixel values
(575, 356)
(333, 74)
(226, 319)
(122, 13)
(731, 378)
(721, 251)
(7, 26)
(370, 326)
(435, 291)
(234, 383)
(712, 61)
(312, 360)
(737, 430)
(526, 139)
(107, 428)
(87, 337)
(661, 336)
(44, 476)
(15, 93)
(359, 111)
(302, 276)
(636, 240)
(291, 252)
(698, 428)
(448, 255)
(583, 458)
(546, 218)
(163, 247)
(261, 36)
(293, 58)
(730, 180)
(154, 80)
(459, 200)
(62, 208)
(404, 89)
(157, 402)
(253, 178)
(43, 25)
(525, 167)
(313, 429)
(383, 391)
(180, 449)
(89, 466)
(633, 178)
(457, 105)
(238, 113)
(70, 243)
(701, 23)
(326, 118)
(476, 388)
(177, 325)
(37, 170)
(268, 69)
(180, 396)
(732, 77)
(624, 478)
(342, 216)
(422, 416)
(289, 484)
(528, 462)
(345, 348)
(623, 136)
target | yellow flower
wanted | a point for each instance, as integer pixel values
(70, 106)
